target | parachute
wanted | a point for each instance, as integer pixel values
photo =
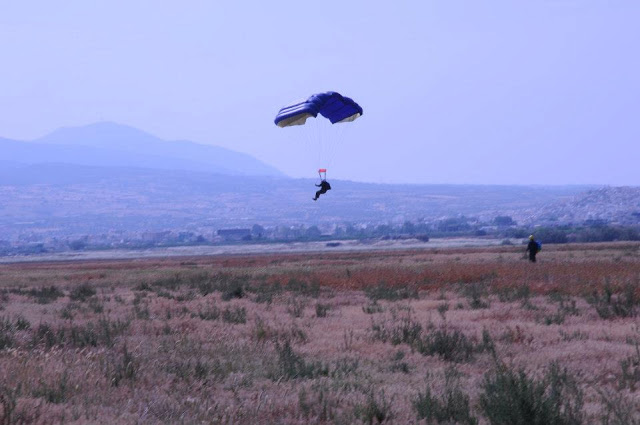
(331, 105)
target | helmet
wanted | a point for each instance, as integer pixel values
(530, 237)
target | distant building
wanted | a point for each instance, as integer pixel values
(234, 234)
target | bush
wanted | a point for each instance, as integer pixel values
(453, 346)
(303, 287)
(235, 315)
(619, 410)
(82, 292)
(233, 288)
(512, 397)
(373, 308)
(610, 305)
(54, 393)
(630, 370)
(376, 409)
(7, 330)
(293, 366)
(406, 331)
(209, 313)
(390, 293)
(296, 307)
(101, 333)
(451, 407)
(450, 345)
(123, 369)
(44, 295)
(474, 293)
(322, 309)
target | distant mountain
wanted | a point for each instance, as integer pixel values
(108, 144)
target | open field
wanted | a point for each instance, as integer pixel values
(452, 335)
(313, 247)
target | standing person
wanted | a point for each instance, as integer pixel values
(532, 249)
(324, 186)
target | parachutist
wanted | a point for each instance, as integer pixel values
(324, 186)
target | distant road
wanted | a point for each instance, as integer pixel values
(270, 248)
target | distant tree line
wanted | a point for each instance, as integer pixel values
(567, 234)
(460, 226)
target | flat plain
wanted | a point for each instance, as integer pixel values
(453, 335)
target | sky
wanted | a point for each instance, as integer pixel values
(453, 91)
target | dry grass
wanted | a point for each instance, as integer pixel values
(394, 337)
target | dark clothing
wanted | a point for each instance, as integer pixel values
(324, 186)
(532, 249)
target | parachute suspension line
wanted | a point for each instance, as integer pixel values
(313, 141)
(340, 131)
(320, 136)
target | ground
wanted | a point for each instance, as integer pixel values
(452, 335)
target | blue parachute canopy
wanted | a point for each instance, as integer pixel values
(331, 105)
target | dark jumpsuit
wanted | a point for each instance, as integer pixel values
(324, 186)
(532, 249)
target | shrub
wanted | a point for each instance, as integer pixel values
(265, 292)
(82, 292)
(44, 295)
(101, 333)
(296, 307)
(303, 287)
(7, 337)
(474, 293)
(9, 402)
(372, 308)
(123, 369)
(293, 366)
(171, 283)
(376, 409)
(235, 315)
(322, 405)
(404, 331)
(619, 410)
(451, 407)
(449, 345)
(53, 393)
(233, 288)
(322, 309)
(390, 293)
(610, 305)
(512, 397)
(48, 336)
(630, 370)
(209, 313)
(442, 309)
(514, 294)
(21, 324)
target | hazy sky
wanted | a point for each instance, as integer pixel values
(539, 91)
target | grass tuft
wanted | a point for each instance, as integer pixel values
(512, 397)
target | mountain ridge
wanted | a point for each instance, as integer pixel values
(109, 144)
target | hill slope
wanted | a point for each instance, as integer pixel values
(112, 145)
(62, 199)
